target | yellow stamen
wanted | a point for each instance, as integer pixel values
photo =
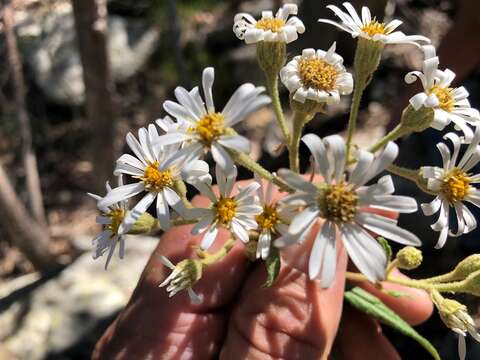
(318, 74)
(444, 96)
(268, 218)
(456, 185)
(209, 128)
(374, 27)
(156, 180)
(338, 203)
(272, 24)
(225, 210)
(117, 216)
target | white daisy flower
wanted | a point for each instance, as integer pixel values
(369, 28)
(450, 104)
(453, 186)
(200, 128)
(111, 217)
(269, 29)
(183, 276)
(156, 173)
(343, 204)
(317, 75)
(272, 221)
(235, 213)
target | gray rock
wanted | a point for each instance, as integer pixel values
(53, 57)
(58, 314)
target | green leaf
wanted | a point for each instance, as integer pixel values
(373, 306)
(386, 247)
(272, 264)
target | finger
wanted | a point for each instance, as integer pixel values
(414, 306)
(158, 327)
(295, 318)
(360, 337)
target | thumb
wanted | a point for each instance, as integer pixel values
(293, 319)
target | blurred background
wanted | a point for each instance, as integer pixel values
(77, 75)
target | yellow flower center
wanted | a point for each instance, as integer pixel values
(272, 24)
(317, 74)
(225, 210)
(374, 27)
(456, 185)
(444, 96)
(209, 128)
(339, 202)
(116, 216)
(156, 180)
(268, 218)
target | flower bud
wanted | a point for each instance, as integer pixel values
(183, 276)
(409, 258)
(466, 267)
(146, 223)
(271, 56)
(472, 284)
(251, 250)
(416, 120)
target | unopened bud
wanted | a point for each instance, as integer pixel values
(472, 284)
(251, 250)
(271, 56)
(146, 223)
(466, 267)
(416, 120)
(409, 258)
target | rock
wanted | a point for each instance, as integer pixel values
(53, 58)
(67, 308)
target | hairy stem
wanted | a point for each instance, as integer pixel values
(393, 135)
(352, 119)
(272, 88)
(299, 120)
(209, 259)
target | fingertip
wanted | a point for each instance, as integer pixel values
(413, 305)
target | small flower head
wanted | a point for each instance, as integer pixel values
(370, 28)
(409, 258)
(200, 128)
(280, 28)
(183, 276)
(235, 213)
(110, 219)
(453, 185)
(272, 221)
(450, 104)
(341, 201)
(156, 170)
(318, 76)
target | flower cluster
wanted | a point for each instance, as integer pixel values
(348, 199)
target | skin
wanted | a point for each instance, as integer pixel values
(239, 319)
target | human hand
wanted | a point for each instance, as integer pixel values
(240, 319)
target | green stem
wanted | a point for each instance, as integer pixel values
(440, 278)
(179, 222)
(352, 119)
(405, 173)
(209, 259)
(393, 135)
(299, 120)
(248, 163)
(272, 89)
(181, 189)
(418, 284)
(390, 267)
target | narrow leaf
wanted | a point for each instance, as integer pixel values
(386, 247)
(373, 306)
(272, 264)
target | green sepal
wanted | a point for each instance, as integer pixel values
(373, 306)
(272, 265)
(386, 247)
